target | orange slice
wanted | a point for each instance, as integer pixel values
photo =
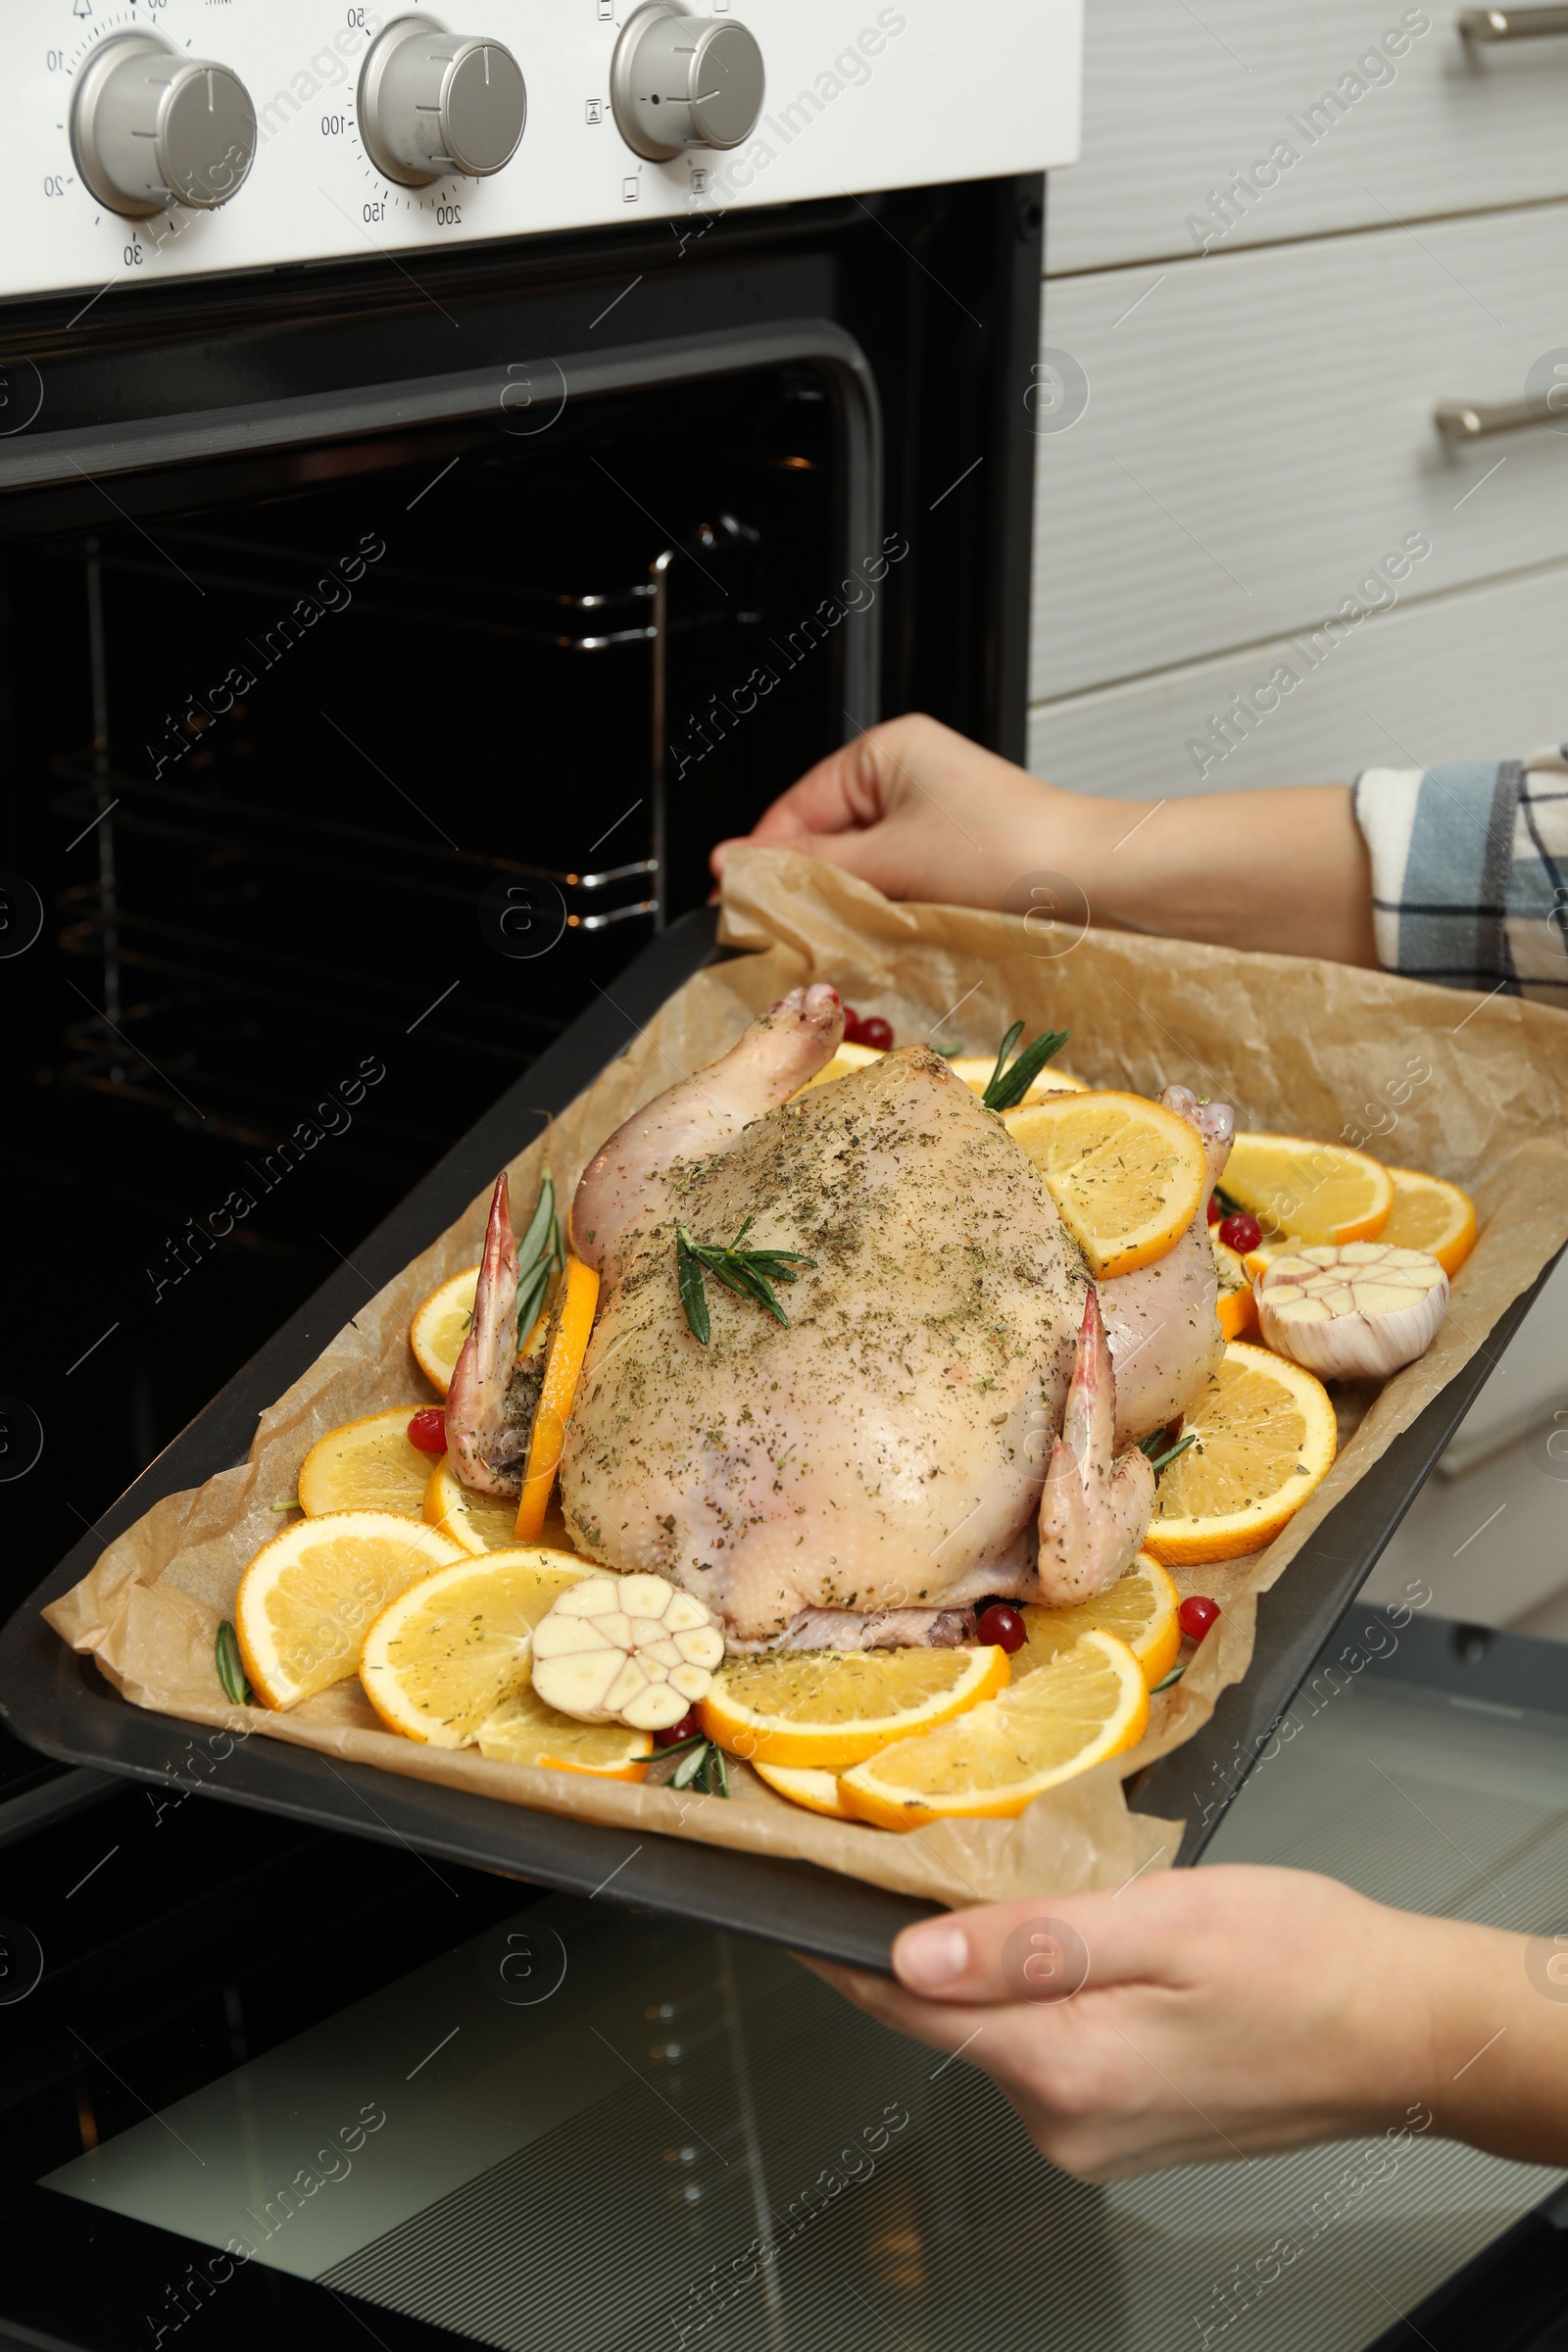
(443, 1655)
(570, 1324)
(830, 1707)
(1265, 1440)
(1127, 1175)
(366, 1465)
(847, 1058)
(808, 1785)
(1313, 1192)
(1430, 1214)
(1087, 1705)
(475, 1522)
(308, 1597)
(1234, 1305)
(1139, 1608)
(441, 1323)
(977, 1070)
(524, 1731)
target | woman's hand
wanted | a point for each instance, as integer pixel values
(925, 814)
(922, 812)
(1206, 2015)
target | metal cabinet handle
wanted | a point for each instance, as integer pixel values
(1474, 420)
(1511, 24)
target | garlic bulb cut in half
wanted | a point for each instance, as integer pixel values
(625, 1650)
(1354, 1311)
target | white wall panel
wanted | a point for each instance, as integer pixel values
(1480, 675)
(1258, 435)
(1178, 99)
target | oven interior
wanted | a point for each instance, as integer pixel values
(336, 771)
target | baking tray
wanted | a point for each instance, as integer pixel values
(56, 1701)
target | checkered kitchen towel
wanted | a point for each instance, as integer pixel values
(1470, 873)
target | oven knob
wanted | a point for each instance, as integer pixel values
(150, 127)
(684, 82)
(432, 103)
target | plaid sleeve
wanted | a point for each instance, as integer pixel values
(1470, 873)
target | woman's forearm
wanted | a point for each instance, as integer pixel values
(1284, 870)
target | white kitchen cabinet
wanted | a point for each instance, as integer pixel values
(1178, 100)
(1260, 436)
(1480, 675)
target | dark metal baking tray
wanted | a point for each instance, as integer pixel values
(59, 1702)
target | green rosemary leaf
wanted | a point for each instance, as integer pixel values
(749, 1273)
(1228, 1201)
(688, 1276)
(1002, 1051)
(721, 1770)
(536, 1237)
(538, 1254)
(1174, 1676)
(687, 1770)
(1007, 1087)
(230, 1667)
(1160, 1460)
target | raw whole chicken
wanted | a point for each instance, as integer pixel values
(937, 1421)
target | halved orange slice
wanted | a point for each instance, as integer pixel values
(522, 1730)
(978, 1069)
(308, 1597)
(1430, 1214)
(475, 1522)
(830, 1707)
(1313, 1192)
(1139, 1608)
(570, 1325)
(443, 1655)
(1266, 1439)
(366, 1465)
(1234, 1303)
(1089, 1704)
(441, 1323)
(1127, 1175)
(808, 1785)
(847, 1058)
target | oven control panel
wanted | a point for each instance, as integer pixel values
(190, 137)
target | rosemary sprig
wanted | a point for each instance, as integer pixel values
(230, 1667)
(1007, 1084)
(749, 1273)
(539, 1254)
(702, 1766)
(1161, 1454)
(1228, 1201)
(1174, 1676)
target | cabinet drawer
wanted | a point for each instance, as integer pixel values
(1260, 435)
(1478, 676)
(1174, 106)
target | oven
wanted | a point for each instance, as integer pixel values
(446, 482)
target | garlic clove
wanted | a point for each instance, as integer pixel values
(1354, 1311)
(631, 1648)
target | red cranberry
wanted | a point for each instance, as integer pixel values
(688, 1727)
(429, 1429)
(876, 1032)
(852, 1027)
(1195, 1615)
(1002, 1626)
(1241, 1233)
(1215, 1213)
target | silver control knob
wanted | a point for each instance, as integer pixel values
(677, 81)
(151, 127)
(432, 103)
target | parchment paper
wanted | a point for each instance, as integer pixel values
(1310, 1049)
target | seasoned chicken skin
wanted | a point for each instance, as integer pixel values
(886, 1450)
